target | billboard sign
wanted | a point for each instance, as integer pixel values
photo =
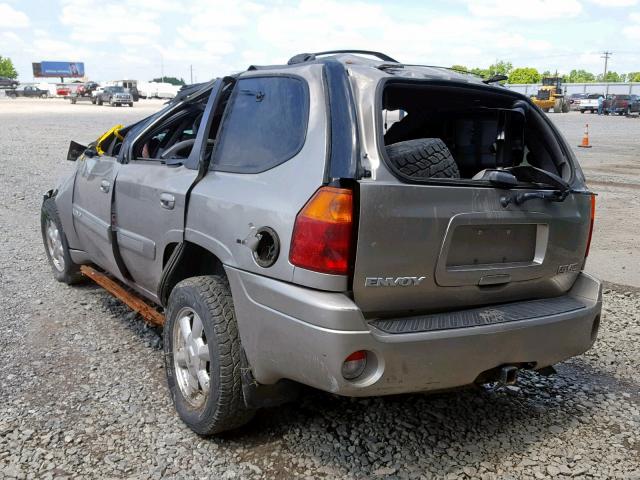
(58, 69)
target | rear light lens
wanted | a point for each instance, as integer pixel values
(593, 217)
(323, 231)
(354, 365)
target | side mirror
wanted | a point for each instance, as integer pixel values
(75, 150)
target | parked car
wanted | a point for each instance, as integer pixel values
(63, 90)
(27, 91)
(86, 89)
(623, 104)
(293, 238)
(590, 103)
(575, 99)
(114, 96)
(8, 82)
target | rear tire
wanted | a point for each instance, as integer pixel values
(56, 246)
(423, 158)
(206, 388)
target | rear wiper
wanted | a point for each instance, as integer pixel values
(520, 198)
(529, 174)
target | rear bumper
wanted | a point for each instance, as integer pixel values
(304, 335)
(618, 110)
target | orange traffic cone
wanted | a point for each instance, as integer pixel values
(585, 137)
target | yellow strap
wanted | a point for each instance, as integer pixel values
(115, 130)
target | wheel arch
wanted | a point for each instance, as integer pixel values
(185, 260)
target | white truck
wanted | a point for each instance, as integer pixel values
(590, 103)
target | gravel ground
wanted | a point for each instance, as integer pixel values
(613, 171)
(82, 388)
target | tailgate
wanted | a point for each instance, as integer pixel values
(424, 248)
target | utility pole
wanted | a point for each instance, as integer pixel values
(161, 69)
(606, 56)
(191, 73)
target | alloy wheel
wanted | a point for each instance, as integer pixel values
(191, 357)
(54, 245)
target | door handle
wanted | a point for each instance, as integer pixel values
(104, 186)
(167, 201)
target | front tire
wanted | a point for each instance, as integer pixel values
(203, 356)
(56, 246)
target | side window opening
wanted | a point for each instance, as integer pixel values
(174, 138)
(264, 124)
(465, 130)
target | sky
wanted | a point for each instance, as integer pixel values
(140, 39)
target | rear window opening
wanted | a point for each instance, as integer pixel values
(453, 132)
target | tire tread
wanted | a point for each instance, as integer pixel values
(423, 158)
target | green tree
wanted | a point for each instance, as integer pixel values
(459, 68)
(579, 76)
(482, 72)
(524, 75)
(171, 80)
(6, 68)
(633, 76)
(611, 77)
(500, 68)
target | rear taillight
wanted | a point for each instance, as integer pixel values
(593, 217)
(323, 232)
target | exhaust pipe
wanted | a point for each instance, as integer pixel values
(508, 375)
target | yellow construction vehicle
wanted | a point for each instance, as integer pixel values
(551, 96)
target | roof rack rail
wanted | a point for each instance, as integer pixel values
(309, 57)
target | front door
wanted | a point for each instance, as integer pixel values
(92, 195)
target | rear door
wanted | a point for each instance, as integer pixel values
(149, 212)
(151, 192)
(428, 248)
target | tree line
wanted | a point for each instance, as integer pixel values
(532, 75)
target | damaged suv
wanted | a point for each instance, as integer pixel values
(346, 222)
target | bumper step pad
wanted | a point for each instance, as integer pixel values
(478, 317)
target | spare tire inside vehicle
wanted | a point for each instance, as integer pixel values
(423, 158)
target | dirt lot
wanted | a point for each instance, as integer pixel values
(82, 389)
